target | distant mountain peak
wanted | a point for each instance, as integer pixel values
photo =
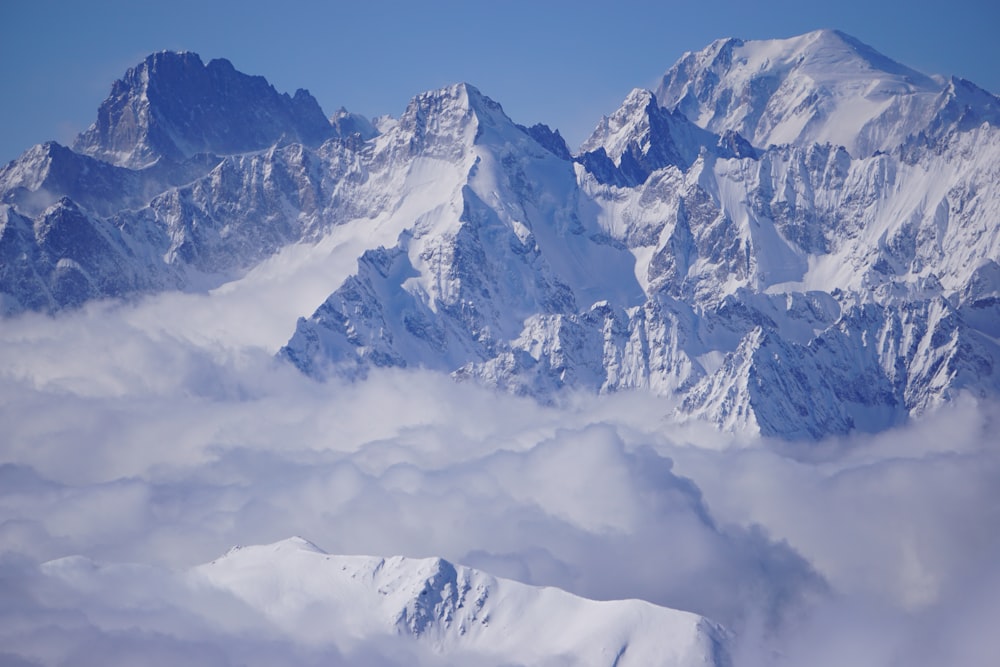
(456, 98)
(449, 118)
(816, 51)
(174, 106)
(640, 138)
(823, 86)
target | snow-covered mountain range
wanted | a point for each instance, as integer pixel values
(792, 237)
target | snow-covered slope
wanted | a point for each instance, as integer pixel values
(491, 231)
(438, 612)
(823, 87)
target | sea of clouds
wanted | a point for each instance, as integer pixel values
(152, 437)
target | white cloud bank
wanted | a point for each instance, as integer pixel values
(141, 434)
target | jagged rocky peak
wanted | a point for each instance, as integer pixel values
(449, 118)
(446, 123)
(641, 137)
(548, 139)
(824, 86)
(615, 131)
(173, 106)
(963, 106)
(349, 124)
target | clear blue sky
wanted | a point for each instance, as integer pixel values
(562, 62)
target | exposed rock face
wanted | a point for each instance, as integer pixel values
(173, 106)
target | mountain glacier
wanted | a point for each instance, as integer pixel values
(794, 237)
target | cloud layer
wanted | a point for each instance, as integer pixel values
(136, 434)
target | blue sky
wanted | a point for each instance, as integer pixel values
(561, 62)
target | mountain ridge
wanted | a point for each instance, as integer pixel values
(170, 107)
(735, 276)
(444, 611)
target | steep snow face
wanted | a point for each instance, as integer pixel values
(811, 218)
(173, 106)
(823, 86)
(504, 237)
(454, 612)
(828, 294)
(825, 292)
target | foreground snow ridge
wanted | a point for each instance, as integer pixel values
(315, 597)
